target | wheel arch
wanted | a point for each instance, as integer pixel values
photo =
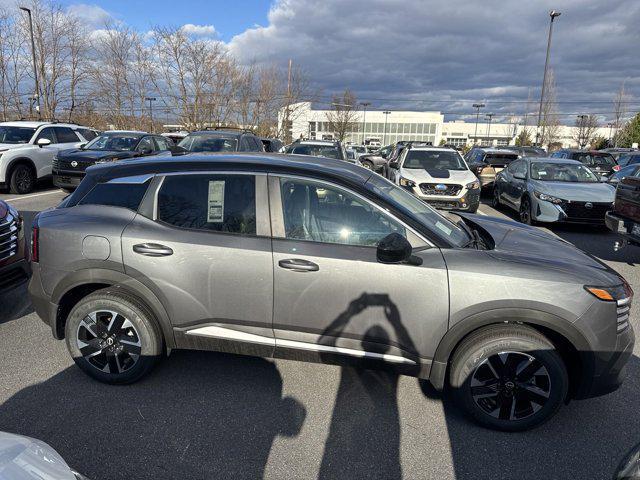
(17, 161)
(81, 283)
(571, 344)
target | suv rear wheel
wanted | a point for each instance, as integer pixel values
(113, 337)
(22, 179)
(508, 378)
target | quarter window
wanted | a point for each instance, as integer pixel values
(319, 213)
(125, 195)
(212, 202)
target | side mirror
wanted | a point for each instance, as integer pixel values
(519, 176)
(177, 150)
(393, 164)
(43, 142)
(146, 151)
(384, 154)
(393, 248)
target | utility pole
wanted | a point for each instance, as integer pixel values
(552, 14)
(384, 138)
(364, 118)
(35, 68)
(488, 116)
(150, 99)
(477, 106)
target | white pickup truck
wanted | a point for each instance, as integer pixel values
(27, 150)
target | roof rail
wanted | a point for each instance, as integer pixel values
(223, 127)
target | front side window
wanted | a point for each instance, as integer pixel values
(327, 214)
(16, 134)
(48, 134)
(212, 202)
(433, 160)
(162, 143)
(146, 145)
(87, 134)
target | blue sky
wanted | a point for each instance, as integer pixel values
(228, 17)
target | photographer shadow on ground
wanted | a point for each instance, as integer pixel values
(190, 419)
(364, 434)
(15, 303)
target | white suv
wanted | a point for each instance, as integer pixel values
(439, 176)
(27, 150)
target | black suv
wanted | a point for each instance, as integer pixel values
(13, 253)
(221, 139)
(486, 163)
(601, 163)
(69, 165)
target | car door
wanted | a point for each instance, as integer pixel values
(42, 156)
(503, 183)
(203, 247)
(332, 298)
(515, 186)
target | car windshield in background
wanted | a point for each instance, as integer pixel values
(328, 151)
(562, 172)
(415, 208)
(596, 159)
(433, 160)
(119, 143)
(16, 134)
(209, 143)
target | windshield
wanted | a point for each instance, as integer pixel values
(596, 159)
(114, 142)
(209, 143)
(444, 226)
(16, 134)
(328, 151)
(562, 172)
(434, 160)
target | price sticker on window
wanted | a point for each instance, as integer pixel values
(215, 213)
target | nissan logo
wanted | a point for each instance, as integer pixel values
(441, 187)
(74, 164)
(588, 205)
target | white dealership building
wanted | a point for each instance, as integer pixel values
(393, 125)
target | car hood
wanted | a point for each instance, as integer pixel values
(436, 176)
(24, 458)
(4, 208)
(80, 154)
(13, 146)
(523, 244)
(578, 192)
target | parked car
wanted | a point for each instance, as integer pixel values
(273, 145)
(628, 158)
(320, 260)
(602, 164)
(27, 150)
(221, 140)
(624, 217)
(438, 176)
(553, 190)
(377, 161)
(486, 163)
(319, 148)
(524, 151)
(175, 137)
(25, 458)
(631, 170)
(360, 150)
(617, 152)
(14, 267)
(69, 165)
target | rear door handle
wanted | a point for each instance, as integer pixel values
(152, 250)
(298, 265)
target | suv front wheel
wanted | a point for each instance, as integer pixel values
(113, 337)
(508, 377)
(22, 179)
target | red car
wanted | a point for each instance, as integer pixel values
(14, 265)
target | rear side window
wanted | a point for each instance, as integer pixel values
(212, 202)
(125, 195)
(66, 135)
(87, 134)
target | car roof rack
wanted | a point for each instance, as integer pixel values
(224, 127)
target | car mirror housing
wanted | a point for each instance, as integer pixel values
(393, 248)
(43, 142)
(393, 164)
(519, 176)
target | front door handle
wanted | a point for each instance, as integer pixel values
(152, 250)
(298, 265)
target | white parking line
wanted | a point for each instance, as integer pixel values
(24, 197)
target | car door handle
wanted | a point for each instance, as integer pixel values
(298, 265)
(152, 250)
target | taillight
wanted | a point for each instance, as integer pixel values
(616, 168)
(35, 244)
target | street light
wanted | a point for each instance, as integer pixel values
(581, 129)
(610, 125)
(150, 99)
(33, 57)
(477, 106)
(364, 118)
(488, 116)
(384, 138)
(552, 15)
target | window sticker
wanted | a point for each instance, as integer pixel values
(215, 212)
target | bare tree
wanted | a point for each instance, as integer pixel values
(13, 68)
(343, 115)
(78, 67)
(585, 129)
(619, 111)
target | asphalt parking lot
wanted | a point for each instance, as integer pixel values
(208, 415)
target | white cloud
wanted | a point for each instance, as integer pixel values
(199, 30)
(92, 15)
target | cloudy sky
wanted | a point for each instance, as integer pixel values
(420, 54)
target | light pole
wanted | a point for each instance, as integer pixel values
(150, 99)
(384, 138)
(477, 106)
(488, 116)
(610, 125)
(33, 57)
(581, 130)
(364, 118)
(552, 15)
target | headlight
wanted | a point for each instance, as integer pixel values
(473, 185)
(548, 198)
(405, 182)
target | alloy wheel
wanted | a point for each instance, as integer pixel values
(510, 385)
(496, 198)
(525, 212)
(367, 165)
(23, 180)
(108, 341)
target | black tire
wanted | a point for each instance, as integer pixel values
(473, 208)
(22, 179)
(525, 216)
(367, 164)
(141, 345)
(495, 199)
(528, 402)
(67, 189)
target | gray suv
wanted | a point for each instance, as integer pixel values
(316, 259)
